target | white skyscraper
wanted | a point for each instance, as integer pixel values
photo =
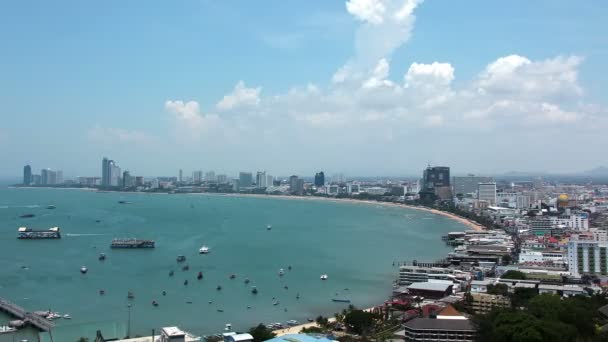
(487, 192)
(115, 175)
(587, 257)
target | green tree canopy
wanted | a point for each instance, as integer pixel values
(359, 321)
(512, 274)
(261, 333)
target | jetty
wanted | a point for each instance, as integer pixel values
(30, 318)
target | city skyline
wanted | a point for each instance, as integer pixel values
(398, 84)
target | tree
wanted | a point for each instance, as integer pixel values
(359, 322)
(261, 333)
(498, 289)
(522, 296)
(512, 274)
(322, 321)
(506, 259)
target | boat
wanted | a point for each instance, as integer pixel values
(324, 277)
(220, 310)
(123, 202)
(219, 288)
(289, 268)
(281, 272)
(310, 319)
(132, 243)
(66, 316)
(298, 296)
(292, 322)
(268, 227)
(254, 290)
(130, 295)
(102, 292)
(232, 276)
(276, 302)
(204, 250)
(286, 287)
(5, 329)
(181, 258)
(27, 216)
(84, 270)
(154, 303)
(247, 280)
(164, 293)
(25, 233)
(228, 327)
(51, 206)
(340, 300)
(199, 276)
(186, 282)
(185, 268)
(102, 257)
(97, 221)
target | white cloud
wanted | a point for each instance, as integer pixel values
(240, 97)
(434, 120)
(371, 11)
(108, 135)
(434, 75)
(189, 122)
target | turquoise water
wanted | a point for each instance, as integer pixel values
(355, 244)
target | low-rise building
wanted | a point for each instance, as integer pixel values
(432, 329)
(562, 290)
(481, 303)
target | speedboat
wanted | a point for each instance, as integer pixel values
(324, 277)
(84, 270)
(281, 272)
(292, 322)
(276, 302)
(228, 327)
(204, 250)
(66, 316)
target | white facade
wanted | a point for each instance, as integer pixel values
(533, 257)
(353, 188)
(114, 175)
(587, 257)
(487, 192)
(575, 221)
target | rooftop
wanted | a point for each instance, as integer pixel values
(439, 324)
(300, 338)
(429, 286)
(173, 331)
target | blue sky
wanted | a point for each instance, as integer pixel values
(83, 80)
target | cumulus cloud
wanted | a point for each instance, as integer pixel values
(240, 97)
(190, 123)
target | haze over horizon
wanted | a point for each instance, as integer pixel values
(363, 87)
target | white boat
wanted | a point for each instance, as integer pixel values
(281, 272)
(204, 250)
(268, 227)
(324, 277)
(5, 329)
(84, 269)
(66, 316)
(292, 322)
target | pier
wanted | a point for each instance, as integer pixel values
(30, 318)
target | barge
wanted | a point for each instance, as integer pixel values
(28, 233)
(132, 243)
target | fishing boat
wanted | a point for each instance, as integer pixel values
(181, 258)
(84, 270)
(324, 277)
(232, 276)
(340, 300)
(204, 250)
(199, 276)
(102, 257)
(254, 290)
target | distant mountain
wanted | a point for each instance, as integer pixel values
(598, 171)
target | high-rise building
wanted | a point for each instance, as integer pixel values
(115, 174)
(36, 179)
(139, 181)
(222, 179)
(210, 176)
(587, 257)
(468, 184)
(197, 176)
(181, 176)
(338, 178)
(127, 180)
(245, 179)
(105, 171)
(319, 179)
(27, 175)
(263, 180)
(48, 177)
(487, 192)
(269, 180)
(58, 177)
(435, 183)
(296, 185)
(235, 185)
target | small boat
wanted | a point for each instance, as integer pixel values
(275, 303)
(97, 221)
(185, 268)
(281, 272)
(268, 227)
(27, 215)
(339, 300)
(292, 322)
(102, 257)
(51, 207)
(189, 302)
(66, 316)
(298, 296)
(171, 274)
(219, 288)
(220, 310)
(84, 270)
(204, 250)
(164, 293)
(102, 292)
(286, 287)
(123, 202)
(310, 319)
(186, 282)
(5, 329)
(199, 276)
(228, 327)
(324, 277)
(181, 258)
(232, 276)
(130, 295)
(247, 280)
(254, 290)
(154, 303)
(289, 268)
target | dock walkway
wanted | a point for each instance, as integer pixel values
(15, 310)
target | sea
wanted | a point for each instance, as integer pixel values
(357, 245)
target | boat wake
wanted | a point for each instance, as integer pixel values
(92, 234)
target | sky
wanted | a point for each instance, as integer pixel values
(362, 87)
